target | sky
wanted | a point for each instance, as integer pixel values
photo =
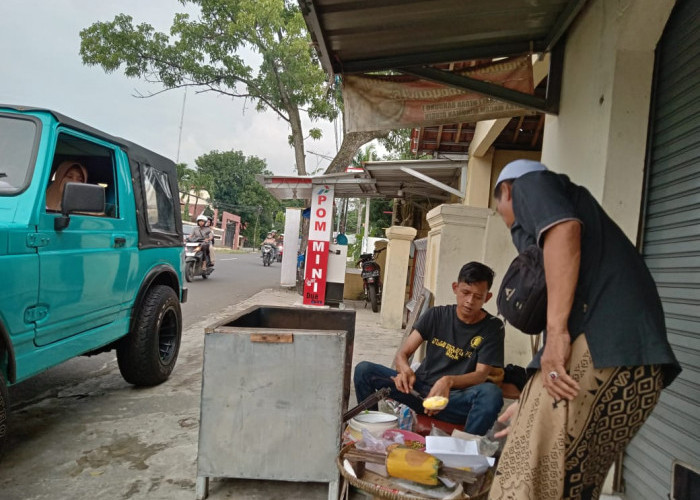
(40, 66)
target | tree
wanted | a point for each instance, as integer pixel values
(234, 188)
(205, 53)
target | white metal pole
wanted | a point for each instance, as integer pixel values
(365, 243)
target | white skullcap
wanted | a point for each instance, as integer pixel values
(518, 168)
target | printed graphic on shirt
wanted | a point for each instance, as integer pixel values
(456, 353)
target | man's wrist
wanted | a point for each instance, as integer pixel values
(447, 379)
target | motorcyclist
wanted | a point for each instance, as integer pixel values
(204, 234)
(270, 240)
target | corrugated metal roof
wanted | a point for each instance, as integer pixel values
(355, 36)
(417, 180)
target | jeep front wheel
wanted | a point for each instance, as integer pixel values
(4, 408)
(147, 355)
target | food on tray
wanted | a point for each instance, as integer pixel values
(435, 403)
(414, 465)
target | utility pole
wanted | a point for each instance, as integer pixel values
(182, 119)
(255, 234)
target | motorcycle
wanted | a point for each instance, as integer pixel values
(280, 251)
(195, 261)
(267, 254)
(371, 281)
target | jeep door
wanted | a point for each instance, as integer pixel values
(85, 267)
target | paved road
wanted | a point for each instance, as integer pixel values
(236, 277)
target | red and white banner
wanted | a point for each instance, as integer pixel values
(393, 102)
(316, 262)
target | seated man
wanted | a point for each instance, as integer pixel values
(464, 344)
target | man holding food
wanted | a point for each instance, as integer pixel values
(464, 348)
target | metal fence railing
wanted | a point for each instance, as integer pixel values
(420, 250)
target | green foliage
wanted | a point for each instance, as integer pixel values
(235, 189)
(378, 220)
(354, 251)
(205, 52)
(368, 153)
(398, 145)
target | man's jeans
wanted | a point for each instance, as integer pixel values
(476, 407)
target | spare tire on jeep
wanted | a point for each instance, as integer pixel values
(147, 355)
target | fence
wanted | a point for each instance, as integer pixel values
(420, 250)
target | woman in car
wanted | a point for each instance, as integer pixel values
(68, 171)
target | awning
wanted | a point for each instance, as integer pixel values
(412, 179)
(412, 37)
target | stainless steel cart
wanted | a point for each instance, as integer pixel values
(275, 383)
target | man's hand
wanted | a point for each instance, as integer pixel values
(404, 381)
(554, 357)
(440, 388)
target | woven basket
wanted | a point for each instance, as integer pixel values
(385, 490)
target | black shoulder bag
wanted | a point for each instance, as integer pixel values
(522, 297)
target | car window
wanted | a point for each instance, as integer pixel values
(80, 160)
(17, 148)
(159, 200)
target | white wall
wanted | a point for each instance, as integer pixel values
(599, 136)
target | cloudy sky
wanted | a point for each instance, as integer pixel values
(41, 66)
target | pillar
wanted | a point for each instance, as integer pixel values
(395, 273)
(457, 236)
(292, 223)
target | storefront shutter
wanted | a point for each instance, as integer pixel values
(671, 247)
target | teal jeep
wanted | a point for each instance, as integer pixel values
(91, 255)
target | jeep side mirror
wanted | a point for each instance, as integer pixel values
(79, 197)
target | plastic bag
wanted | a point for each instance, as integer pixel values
(405, 415)
(369, 442)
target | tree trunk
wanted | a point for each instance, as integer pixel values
(351, 143)
(297, 140)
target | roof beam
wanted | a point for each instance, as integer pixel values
(561, 25)
(487, 131)
(489, 89)
(485, 134)
(317, 34)
(433, 182)
(437, 57)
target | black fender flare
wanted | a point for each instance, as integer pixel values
(6, 345)
(159, 275)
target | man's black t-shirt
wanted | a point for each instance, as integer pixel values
(616, 303)
(455, 347)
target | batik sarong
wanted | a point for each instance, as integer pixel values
(564, 449)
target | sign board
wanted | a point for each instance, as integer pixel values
(386, 102)
(316, 272)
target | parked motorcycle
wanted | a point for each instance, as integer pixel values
(267, 253)
(195, 261)
(371, 281)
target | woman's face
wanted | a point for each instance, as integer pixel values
(74, 175)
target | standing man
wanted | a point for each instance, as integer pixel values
(606, 356)
(465, 343)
